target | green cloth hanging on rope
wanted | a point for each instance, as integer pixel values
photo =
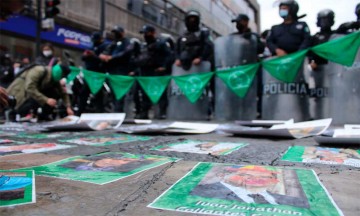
(341, 50)
(95, 80)
(285, 68)
(72, 75)
(154, 86)
(239, 79)
(120, 84)
(192, 85)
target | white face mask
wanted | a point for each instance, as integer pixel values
(47, 53)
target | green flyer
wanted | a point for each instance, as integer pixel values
(106, 140)
(332, 156)
(101, 168)
(201, 147)
(17, 187)
(243, 190)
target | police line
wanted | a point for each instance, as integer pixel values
(341, 50)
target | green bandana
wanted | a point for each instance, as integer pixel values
(56, 73)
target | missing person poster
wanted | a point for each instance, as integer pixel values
(31, 148)
(201, 147)
(223, 189)
(332, 156)
(101, 168)
(106, 140)
(17, 188)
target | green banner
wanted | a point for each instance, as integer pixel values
(239, 79)
(72, 75)
(225, 189)
(332, 156)
(201, 147)
(154, 86)
(120, 84)
(192, 85)
(106, 140)
(285, 68)
(17, 188)
(94, 80)
(101, 168)
(341, 50)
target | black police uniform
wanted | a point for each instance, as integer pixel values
(289, 37)
(92, 63)
(154, 55)
(193, 45)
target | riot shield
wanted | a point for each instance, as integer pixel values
(281, 101)
(319, 94)
(234, 50)
(180, 108)
(344, 92)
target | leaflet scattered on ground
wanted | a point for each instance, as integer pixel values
(106, 140)
(201, 147)
(175, 127)
(262, 123)
(31, 148)
(101, 168)
(89, 121)
(332, 156)
(223, 189)
(286, 130)
(17, 188)
(349, 135)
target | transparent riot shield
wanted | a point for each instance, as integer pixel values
(234, 50)
(180, 108)
(344, 91)
(282, 101)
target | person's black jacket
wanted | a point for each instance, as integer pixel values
(120, 52)
(289, 37)
(93, 62)
(193, 45)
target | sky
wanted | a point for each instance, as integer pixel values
(344, 12)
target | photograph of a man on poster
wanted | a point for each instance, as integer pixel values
(331, 155)
(108, 162)
(252, 184)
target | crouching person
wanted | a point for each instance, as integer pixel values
(39, 87)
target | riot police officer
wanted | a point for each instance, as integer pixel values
(325, 20)
(153, 61)
(349, 27)
(291, 35)
(242, 25)
(93, 63)
(195, 45)
(117, 57)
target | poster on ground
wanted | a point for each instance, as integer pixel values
(201, 147)
(47, 135)
(17, 188)
(106, 140)
(333, 156)
(101, 168)
(287, 130)
(31, 148)
(226, 189)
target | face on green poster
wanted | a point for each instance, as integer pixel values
(221, 189)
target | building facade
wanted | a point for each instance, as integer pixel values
(77, 19)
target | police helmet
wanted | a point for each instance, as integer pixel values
(117, 29)
(327, 16)
(293, 7)
(357, 10)
(192, 13)
(96, 36)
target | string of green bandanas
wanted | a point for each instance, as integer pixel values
(342, 50)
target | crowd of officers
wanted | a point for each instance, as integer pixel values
(39, 86)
